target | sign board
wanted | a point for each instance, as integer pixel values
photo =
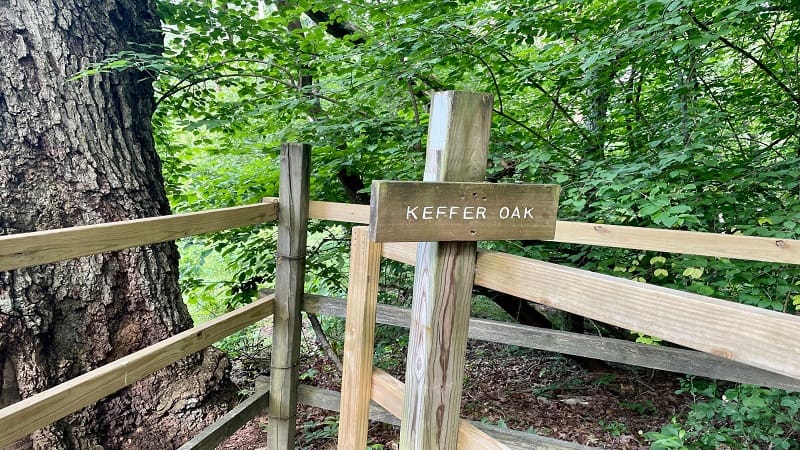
(424, 211)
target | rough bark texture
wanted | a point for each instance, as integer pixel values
(81, 152)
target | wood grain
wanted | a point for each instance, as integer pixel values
(359, 339)
(387, 391)
(289, 282)
(614, 350)
(42, 247)
(39, 410)
(723, 328)
(674, 241)
(422, 211)
(458, 137)
(742, 333)
(340, 212)
(751, 248)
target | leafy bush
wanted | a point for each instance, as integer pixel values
(741, 417)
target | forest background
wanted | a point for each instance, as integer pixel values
(670, 114)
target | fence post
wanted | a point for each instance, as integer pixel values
(458, 137)
(289, 280)
(359, 340)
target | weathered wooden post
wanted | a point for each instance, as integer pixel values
(458, 138)
(446, 213)
(289, 281)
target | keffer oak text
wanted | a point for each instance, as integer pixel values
(420, 211)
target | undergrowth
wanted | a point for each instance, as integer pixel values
(739, 417)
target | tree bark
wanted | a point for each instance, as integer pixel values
(81, 152)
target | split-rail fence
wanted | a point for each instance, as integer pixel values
(743, 343)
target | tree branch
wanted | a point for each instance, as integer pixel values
(334, 27)
(744, 52)
(322, 340)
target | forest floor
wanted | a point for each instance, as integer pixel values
(522, 389)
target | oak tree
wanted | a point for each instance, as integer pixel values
(76, 152)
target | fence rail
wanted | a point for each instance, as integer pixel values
(702, 323)
(607, 349)
(42, 247)
(28, 415)
(751, 248)
(28, 249)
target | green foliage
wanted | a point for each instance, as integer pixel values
(483, 308)
(500, 423)
(314, 434)
(671, 114)
(613, 427)
(742, 417)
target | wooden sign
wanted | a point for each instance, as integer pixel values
(423, 211)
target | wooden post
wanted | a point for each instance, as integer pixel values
(458, 137)
(289, 280)
(359, 340)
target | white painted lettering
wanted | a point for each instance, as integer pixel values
(528, 213)
(466, 212)
(504, 212)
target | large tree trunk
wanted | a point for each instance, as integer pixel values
(81, 152)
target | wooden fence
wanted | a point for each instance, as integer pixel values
(710, 325)
(28, 249)
(736, 342)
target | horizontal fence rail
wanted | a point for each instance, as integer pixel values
(607, 349)
(734, 246)
(234, 419)
(42, 247)
(331, 400)
(671, 241)
(702, 323)
(22, 418)
(699, 322)
(388, 392)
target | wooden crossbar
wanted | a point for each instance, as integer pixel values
(387, 391)
(22, 418)
(702, 323)
(42, 247)
(233, 420)
(608, 349)
(750, 248)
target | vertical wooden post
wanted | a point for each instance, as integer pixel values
(458, 138)
(359, 340)
(289, 280)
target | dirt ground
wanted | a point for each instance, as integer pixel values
(521, 389)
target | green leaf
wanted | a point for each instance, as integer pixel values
(693, 272)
